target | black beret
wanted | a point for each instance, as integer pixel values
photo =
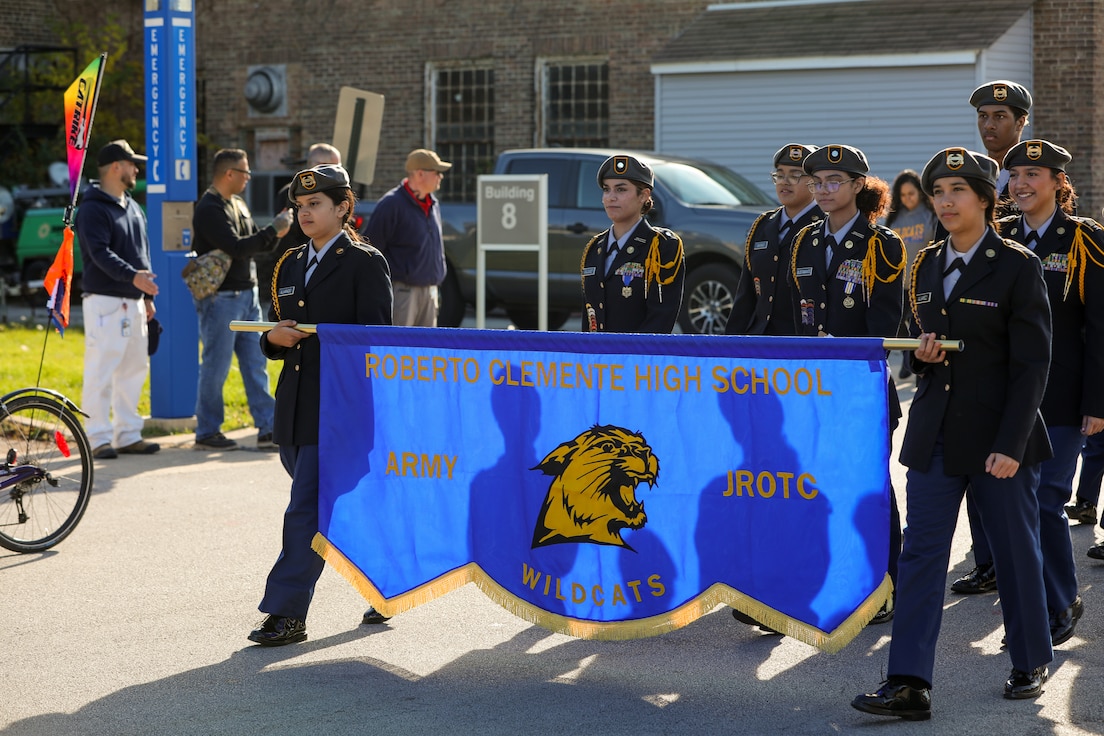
(1002, 92)
(1037, 153)
(626, 167)
(792, 154)
(959, 162)
(837, 158)
(319, 179)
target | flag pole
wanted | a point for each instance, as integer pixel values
(78, 131)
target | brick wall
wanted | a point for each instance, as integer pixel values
(24, 22)
(1068, 98)
(384, 46)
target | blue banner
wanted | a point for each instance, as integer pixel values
(609, 486)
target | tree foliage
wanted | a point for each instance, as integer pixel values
(34, 119)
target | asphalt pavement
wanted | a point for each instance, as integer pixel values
(136, 624)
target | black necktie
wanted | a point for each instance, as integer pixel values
(829, 245)
(956, 265)
(784, 230)
(612, 255)
(310, 267)
(1032, 239)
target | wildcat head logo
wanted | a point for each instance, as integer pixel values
(593, 492)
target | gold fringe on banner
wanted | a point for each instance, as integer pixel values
(635, 629)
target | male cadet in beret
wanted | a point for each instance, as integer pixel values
(633, 274)
(974, 422)
(847, 270)
(1002, 109)
(1072, 251)
(764, 303)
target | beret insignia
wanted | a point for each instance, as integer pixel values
(1000, 92)
(620, 164)
(955, 158)
(307, 181)
(796, 154)
(1034, 151)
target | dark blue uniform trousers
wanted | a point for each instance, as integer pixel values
(1092, 469)
(1055, 482)
(1011, 513)
(291, 582)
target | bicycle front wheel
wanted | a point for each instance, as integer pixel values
(49, 479)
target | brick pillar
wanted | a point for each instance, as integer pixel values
(1068, 97)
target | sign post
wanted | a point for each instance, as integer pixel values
(170, 193)
(512, 215)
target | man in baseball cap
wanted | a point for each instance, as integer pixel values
(119, 150)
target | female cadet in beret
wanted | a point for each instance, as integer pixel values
(1072, 251)
(847, 270)
(764, 303)
(336, 278)
(633, 274)
(974, 422)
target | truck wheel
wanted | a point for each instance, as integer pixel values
(525, 318)
(710, 294)
(452, 307)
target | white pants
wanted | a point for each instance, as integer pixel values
(414, 306)
(115, 368)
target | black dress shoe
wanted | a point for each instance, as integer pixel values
(275, 631)
(1022, 685)
(981, 579)
(885, 613)
(1082, 511)
(1061, 628)
(1096, 552)
(902, 701)
(372, 617)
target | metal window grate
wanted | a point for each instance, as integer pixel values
(576, 104)
(464, 128)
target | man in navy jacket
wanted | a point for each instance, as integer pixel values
(406, 228)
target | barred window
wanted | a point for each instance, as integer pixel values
(463, 127)
(575, 103)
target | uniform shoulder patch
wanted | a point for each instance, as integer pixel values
(1021, 249)
(1087, 222)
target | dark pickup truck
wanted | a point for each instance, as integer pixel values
(709, 206)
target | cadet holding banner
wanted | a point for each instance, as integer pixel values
(974, 422)
(337, 279)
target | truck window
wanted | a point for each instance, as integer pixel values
(557, 170)
(697, 186)
(587, 194)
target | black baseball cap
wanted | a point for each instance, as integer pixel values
(118, 150)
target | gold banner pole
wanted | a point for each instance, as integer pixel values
(890, 343)
(240, 325)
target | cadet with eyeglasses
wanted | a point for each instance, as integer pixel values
(764, 303)
(848, 275)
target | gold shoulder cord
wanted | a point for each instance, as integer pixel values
(750, 235)
(275, 277)
(654, 265)
(793, 257)
(1080, 255)
(582, 263)
(875, 248)
(912, 285)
